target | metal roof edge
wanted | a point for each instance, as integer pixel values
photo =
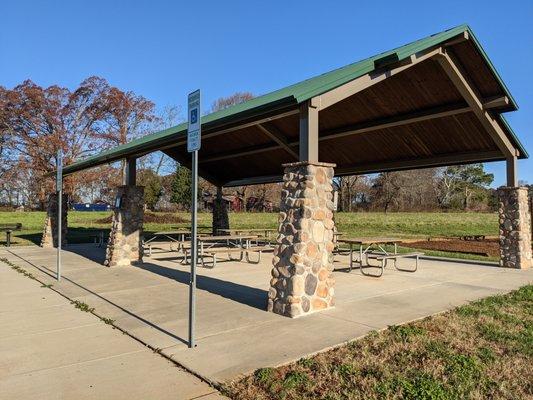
(523, 152)
(367, 65)
(492, 67)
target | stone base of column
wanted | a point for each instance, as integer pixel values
(220, 213)
(125, 240)
(302, 277)
(49, 237)
(515, 228)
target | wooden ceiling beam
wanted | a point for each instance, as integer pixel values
(384, 166)
(186, 161)
(349, 89)
(426, 162)
(246, 151)
(209, 134)
(277, 136)
(496, 102)
(467, 90)
(462, 37)
(395, 121)
(362, 128)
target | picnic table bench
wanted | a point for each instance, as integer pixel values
(171, 236)
(252, 231)
(8, 229)
(366, 246)
(209, 248)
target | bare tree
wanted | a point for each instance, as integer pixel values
(225, 102)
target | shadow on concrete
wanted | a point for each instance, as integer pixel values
(52, 273)
(247, 295)
(91, 252)
(74, 235)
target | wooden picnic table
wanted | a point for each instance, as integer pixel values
(227, 238)
(365, 248)
(266, 231)
(8, 229)
(208, 245)
(366, 245)
(180, 240)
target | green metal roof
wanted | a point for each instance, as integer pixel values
(292, 95)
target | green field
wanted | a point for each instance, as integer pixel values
(404, 225)
(483, 350)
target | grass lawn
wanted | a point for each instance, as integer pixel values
(483, 350)
(405, 225)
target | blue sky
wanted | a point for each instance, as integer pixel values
(165, 49)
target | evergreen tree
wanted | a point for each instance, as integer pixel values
(153, 190)
(182, 188)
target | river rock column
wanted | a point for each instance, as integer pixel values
(49, 237)
(302, 280)
(125, 240)
(515, 227)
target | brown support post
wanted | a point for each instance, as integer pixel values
(309, 132)
(512, 177)
(130, 172)
(220, 213)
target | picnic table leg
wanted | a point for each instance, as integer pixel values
(351, 258)
(181, 241)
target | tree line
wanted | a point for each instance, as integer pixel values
(36, 122)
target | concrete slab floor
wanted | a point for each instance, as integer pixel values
(51, 350)
(235, 335)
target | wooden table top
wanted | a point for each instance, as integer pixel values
(367, 241)
(180, 232)
(248, 230)
(225, 237)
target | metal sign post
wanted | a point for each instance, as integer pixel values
(59, 190)
(193, 145)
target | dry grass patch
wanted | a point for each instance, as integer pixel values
(483, 350)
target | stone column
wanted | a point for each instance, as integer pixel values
(220, 213)
(125, 240)
(49, 237)
(515, 227)
(302, 280)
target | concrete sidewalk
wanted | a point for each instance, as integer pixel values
(51, 350)
(235, 335)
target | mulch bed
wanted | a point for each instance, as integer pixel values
(151, 218)
(486, 247)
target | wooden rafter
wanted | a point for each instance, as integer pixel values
(277, 136)
(454, 72)
(349, 89)
(362, 128)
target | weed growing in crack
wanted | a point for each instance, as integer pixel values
(80, 305)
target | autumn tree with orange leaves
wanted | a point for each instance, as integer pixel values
(36, 122)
